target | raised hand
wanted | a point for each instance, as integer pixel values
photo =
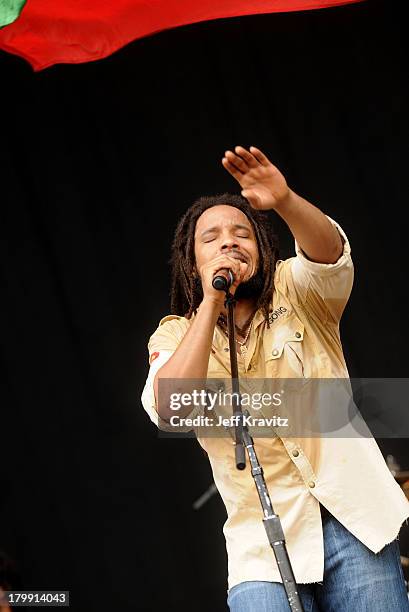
(262, 183)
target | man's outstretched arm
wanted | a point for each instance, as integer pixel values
(265, 188)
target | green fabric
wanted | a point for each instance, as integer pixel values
(10, 10)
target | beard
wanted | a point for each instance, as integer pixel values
(251, 288)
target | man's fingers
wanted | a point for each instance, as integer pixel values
(231, 168)
(241, 161)
(240, 273)
(250, 160)
(243, 270)
(228, 264)
(237, 161)
(259, 155)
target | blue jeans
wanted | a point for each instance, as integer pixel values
(355, 580)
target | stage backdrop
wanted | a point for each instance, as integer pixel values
(98, 161)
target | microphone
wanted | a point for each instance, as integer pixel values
(221, 282)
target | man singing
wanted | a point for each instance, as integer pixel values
(340, 508)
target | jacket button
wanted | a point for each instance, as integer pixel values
(297, 335)
(295, 453)
(275, 352)
(311, 484)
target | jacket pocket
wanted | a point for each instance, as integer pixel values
(284, 351)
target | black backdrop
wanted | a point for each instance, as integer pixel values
(98, 161)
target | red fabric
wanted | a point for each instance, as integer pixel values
(74, 31)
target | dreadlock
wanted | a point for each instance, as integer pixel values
(186, 292)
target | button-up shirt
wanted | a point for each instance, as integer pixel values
(347, 475)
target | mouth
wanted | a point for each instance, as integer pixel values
(238, 256)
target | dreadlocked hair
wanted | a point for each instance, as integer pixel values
(186, 288)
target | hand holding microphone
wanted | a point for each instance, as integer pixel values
(221, 274)
(223, 280)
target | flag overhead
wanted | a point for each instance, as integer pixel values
(74, 31)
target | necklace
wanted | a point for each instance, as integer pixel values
(223, 324)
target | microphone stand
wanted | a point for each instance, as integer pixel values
(271, 521)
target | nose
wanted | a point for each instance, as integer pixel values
(228, 243)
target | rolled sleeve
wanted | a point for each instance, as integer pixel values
(324, 288)
(161, 347)
(148, 393)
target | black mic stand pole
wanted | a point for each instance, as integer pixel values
(271, 521)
